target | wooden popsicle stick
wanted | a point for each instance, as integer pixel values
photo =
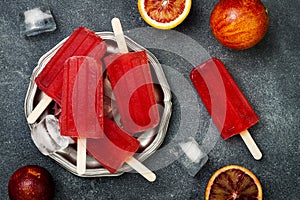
(81, 155)
(134, 163)
(119, 35)
(39, 109)
(250, 143)
(141, 169)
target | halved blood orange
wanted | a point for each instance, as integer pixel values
(233, 182)
(164, 14)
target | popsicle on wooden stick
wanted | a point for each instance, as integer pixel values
(115, 148)
(225, 102)
(82, 103)
(132, 84)
(82, 42)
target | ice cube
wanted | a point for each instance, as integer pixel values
(184, 150)
(37, 20)
(46, 136)
(193, 157)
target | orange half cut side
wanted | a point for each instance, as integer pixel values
(233, 182)
(164, 14)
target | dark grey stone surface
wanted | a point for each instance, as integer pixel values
(268, 74)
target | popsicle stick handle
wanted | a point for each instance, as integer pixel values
(39, 109)
(250, 143)
(81, 155)
(119, 35)
(141, 169)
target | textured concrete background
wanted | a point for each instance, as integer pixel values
(268, 74)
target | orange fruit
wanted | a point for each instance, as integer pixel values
(31, 182)
(239, 24)
(233, 182)
(164, 14)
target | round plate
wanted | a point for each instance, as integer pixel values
(150, 140)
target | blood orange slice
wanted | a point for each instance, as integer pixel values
(164, 14)
(233, 183)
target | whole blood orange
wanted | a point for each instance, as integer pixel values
(239, 24)
(164, 14)
(233, 182)
(31, 182)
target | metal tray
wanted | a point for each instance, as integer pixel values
(149, 143)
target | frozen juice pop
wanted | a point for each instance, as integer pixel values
(82, 98)
(132, 84)
(82, 103)
(115, 148)
(227, 105)
(82, 42)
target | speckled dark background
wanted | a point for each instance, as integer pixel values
(268, 74)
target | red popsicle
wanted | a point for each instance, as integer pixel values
(82, 42)
(82, 98)
(227, 105)
(132, 84)
(115, 148)
(82, 103)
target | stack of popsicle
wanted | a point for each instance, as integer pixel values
(82, 118)
(82, 42)
(228, 107)
(73, 78)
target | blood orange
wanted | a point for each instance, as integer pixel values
(233, 182)
(31, 182)
(164, 14)
(239, 24)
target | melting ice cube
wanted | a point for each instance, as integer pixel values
(46, 136)
(193, 157)
(186, 151)
(37, 20)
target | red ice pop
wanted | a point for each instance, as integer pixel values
(115, 148)
(82, 98)
(225, 102)
(132, 84)
(82, 42)
(82, 103)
